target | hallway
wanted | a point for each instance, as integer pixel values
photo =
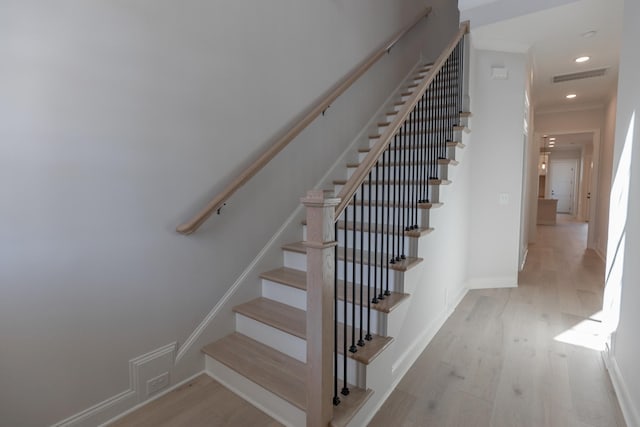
(518, 357)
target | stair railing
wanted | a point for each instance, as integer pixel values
(358, 239)
(312, 113)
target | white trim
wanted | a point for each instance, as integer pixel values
(600, 253)
(493, 282)
(114, 406)
(524, 259)
(629, 412)
(155, 396)
(186, 346)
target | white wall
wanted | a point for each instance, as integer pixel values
(605, 175)
(623, 270)
(117, 122)
(496, 168)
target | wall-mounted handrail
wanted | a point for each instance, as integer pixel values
(314, 111)
(360, 174)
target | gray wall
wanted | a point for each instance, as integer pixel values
(118, 120)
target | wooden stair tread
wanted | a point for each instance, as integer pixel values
(411, 182)
(402, 265)
(449, 144)
(281, 316)
(272, 313)
(298, 279)
(439, 161)
(275, 371)
(350, 406)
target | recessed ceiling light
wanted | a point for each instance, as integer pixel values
(571, 96)
(589, 34)
(553, 138)
(582, 59)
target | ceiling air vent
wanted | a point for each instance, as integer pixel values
(577, 76)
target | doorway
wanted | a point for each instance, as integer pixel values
(562, 184)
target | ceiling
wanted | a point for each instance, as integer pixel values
(553, 39)
(568, 141)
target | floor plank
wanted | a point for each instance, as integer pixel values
(201, 402)
(518, 357)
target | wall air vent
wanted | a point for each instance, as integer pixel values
(577, 76)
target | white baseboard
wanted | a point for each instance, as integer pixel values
(629, 412)
(524, 259)
(146, 402)
(141, 369)
(492, 282)
(601, 254)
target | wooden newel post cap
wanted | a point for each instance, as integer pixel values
(317, 198)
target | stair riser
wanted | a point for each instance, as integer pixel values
(447, 153)
(421, 138)
(272, 404)
(297, 298)
(424, 119)
(377, 320)
(299, 262)
(288, 344)
(411, 171)
(285, 294)
(422, 220)
(433, 193)
(380, 238)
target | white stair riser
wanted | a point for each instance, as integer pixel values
(285, 294)
(297, 298)
(288, 344)
(260, 397)
(422, 138)
(279, 340)
(376, 238)
(377, 213)
(391, 193)
(411, 171)
(299, 261)
(377, 320)
(449, 154)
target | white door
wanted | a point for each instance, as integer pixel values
(562, 175)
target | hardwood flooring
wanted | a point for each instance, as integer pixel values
(518, 357)
(202, 402)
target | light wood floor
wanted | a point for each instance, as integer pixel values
(199, 403)
(497, 361)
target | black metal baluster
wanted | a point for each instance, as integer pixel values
(361, 340)
(392, 220)
(368, 336)
(336, 399)
(384, 257)
(405, 189)
(398, 198)
(353, 347)
(345, 389)
(378, 205)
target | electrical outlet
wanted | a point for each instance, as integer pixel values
(156, 384)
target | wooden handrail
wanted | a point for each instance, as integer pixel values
(360, 174)
(314, 111)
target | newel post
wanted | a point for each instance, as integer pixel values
(320, 245)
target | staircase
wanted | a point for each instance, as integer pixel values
(265, 359)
